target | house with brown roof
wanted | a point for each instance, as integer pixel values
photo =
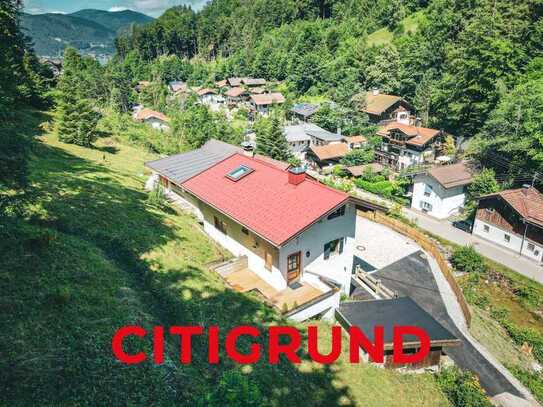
(382, 108)
(405, 145)
(512, 219)
(236, 95)
(441, 192)
(261, 103)
(293, 237)
(252, 82)
(321, 157)
(153, 118)
(235, 82)
(207, 96)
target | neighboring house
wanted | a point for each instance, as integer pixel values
(221, 84)
(442, 191)
(321, 157)
(178, 87)
(262, 103)
(322, 137)
(382, 108)
(253, 82)
(153, 118)
(404, 146)
(293, 230)
(513, 219)
(366, 315)
(301, 136)
(257, 91)
(234, 82)
(237, 95)
(207, 96)
(355, 141)
(302, 112)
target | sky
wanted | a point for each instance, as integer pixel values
(153, 8)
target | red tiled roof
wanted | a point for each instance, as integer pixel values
(146, 113)
(268, 98)
(235, 92)
(206, 91)
(264, 201)
(528, 202)
(420, 135)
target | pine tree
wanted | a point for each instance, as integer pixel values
(76, 121)
(271, 140)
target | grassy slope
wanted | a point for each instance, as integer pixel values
(93, 256)
(385, 36)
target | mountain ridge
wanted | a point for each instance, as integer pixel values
(90, 31)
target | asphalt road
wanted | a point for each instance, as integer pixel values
(412, 277)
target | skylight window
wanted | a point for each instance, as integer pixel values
(239, 172)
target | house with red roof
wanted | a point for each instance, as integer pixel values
(295, 232)
(513, 219)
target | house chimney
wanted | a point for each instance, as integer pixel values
(525, 189)
(248, 148)
(418, 121)
(296, 175)
(375, 91)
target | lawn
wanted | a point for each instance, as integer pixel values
(91, 255)
(384, 36)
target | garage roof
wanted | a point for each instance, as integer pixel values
(395, 312)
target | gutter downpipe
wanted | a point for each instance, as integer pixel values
(524, 236)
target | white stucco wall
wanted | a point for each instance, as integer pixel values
(329, 304)
(497, 236)
(256, 263)
(208, 99)
(445, 202)
(338, 267)
(408, 157)
(157, 123)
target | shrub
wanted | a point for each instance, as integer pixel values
(383, 188)
(466, 259)
(235, 389)
(462, 388)
(157, 197)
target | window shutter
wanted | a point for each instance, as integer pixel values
(341, 245)
(326, 251)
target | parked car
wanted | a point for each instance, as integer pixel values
(465, 225)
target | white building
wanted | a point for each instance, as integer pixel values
(208, 96)
(442, 191)
(262, 103)
(294, 232)
(301, 136)
(513, 219)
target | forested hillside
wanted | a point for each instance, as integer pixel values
(461, 67)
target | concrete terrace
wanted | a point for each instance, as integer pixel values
(301, 293)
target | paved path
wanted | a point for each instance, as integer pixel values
(501, 255)
(413, 276)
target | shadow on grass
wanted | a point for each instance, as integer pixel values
(85, 202)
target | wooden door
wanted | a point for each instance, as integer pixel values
(269, 260)
(294, 267)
